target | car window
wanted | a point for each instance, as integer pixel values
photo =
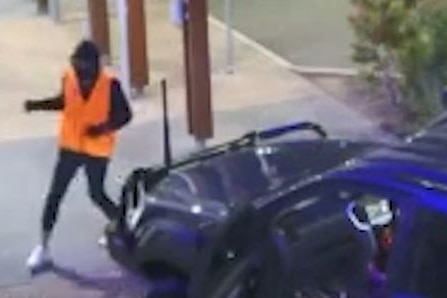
(372, 206)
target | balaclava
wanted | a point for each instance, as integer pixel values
(86, 63)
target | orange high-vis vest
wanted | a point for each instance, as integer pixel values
(79, 114)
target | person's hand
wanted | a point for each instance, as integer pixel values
(29, 106)
(95, 131)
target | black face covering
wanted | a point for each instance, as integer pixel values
(87, 74)
(85, 62)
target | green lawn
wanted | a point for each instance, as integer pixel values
(306, 32)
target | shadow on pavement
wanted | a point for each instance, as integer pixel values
(122, 284)
(114, 285)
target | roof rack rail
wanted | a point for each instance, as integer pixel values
(250, 139)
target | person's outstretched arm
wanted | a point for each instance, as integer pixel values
(55, 103)
(48, 104)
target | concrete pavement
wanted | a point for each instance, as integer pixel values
(33, 51)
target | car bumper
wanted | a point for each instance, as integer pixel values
(120, 247)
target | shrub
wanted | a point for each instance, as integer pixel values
(402, 45)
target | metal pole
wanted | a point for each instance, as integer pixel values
(55, 10)
(200, 144)
(86, 29)
(124, 46)
(229, 36)
(86, 25)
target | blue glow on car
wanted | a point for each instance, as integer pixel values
(186, 236)
(426, 197)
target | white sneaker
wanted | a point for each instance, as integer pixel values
(102, 241)
(38, 258)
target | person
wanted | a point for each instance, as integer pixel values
(93, 108)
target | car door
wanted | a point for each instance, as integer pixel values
(331, 229)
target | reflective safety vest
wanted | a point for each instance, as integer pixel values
(79, 114)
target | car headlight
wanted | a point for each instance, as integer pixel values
(134, 212)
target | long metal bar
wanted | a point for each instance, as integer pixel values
(55, 10)
(122, 10)
(229, 36)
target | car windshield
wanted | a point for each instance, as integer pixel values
(246, 174)
(175, 193)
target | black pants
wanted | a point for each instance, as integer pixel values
(67, 165)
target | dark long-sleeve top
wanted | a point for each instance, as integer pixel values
(120, 112)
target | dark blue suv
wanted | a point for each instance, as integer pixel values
(274, 215)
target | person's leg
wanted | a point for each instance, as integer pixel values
(65, 169)
(96, 169)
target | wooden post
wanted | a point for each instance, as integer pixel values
(42, 6)
(198, 69)
(187, 68)
(99, 25)
(139, 68)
